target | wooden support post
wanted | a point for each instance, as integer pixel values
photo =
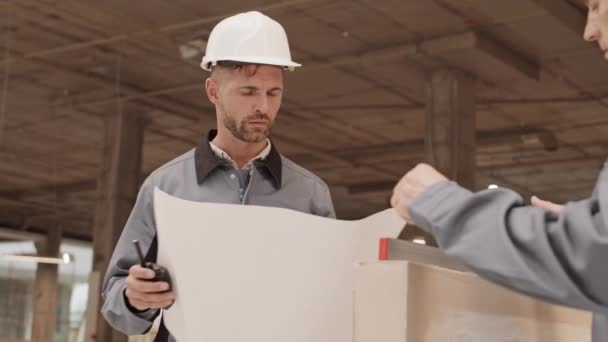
(449, 143)
(450, 125)
(45, 289)
(117, 190)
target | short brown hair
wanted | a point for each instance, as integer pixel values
(250, 69)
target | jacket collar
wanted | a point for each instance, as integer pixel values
(206, 161)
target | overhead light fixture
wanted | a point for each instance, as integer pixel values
(544, 138)
(192, 48)
(65, 258)
(192, 44)
(493, 186)
(419, 240)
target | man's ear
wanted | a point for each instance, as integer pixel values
(212, 88)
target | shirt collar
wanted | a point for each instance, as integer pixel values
(261, 156)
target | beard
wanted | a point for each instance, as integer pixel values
(247, 133)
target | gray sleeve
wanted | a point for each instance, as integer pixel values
(322, 204)
(140, 226)
(600, 328)
(558, 258)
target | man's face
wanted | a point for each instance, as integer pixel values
(248, 99)
(597, 24)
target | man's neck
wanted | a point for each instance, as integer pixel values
(240, 152)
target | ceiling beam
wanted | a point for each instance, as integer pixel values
(566, 13)
(490, 171)
(470, 40)
(73, 236)
(75, 102)
(77, 186)
(16, 221)
(534, 137)
(15, 234)
(371, 187)
(508, 56)
(481, 103)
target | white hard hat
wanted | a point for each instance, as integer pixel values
(248, 37)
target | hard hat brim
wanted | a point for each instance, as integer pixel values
(208, 63)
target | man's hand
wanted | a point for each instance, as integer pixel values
(144, 294)
(414, 183)
(550, 206)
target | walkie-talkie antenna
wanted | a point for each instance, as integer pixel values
(142, 262)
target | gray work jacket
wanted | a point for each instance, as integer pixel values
(200, 175)
(561, 259)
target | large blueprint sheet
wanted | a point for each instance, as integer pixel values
(261, 274)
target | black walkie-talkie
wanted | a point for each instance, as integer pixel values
(160, 273)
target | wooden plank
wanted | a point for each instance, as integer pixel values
(117, 190)
(45, 290)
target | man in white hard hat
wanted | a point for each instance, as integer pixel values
(552, 252)
(237, 163)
